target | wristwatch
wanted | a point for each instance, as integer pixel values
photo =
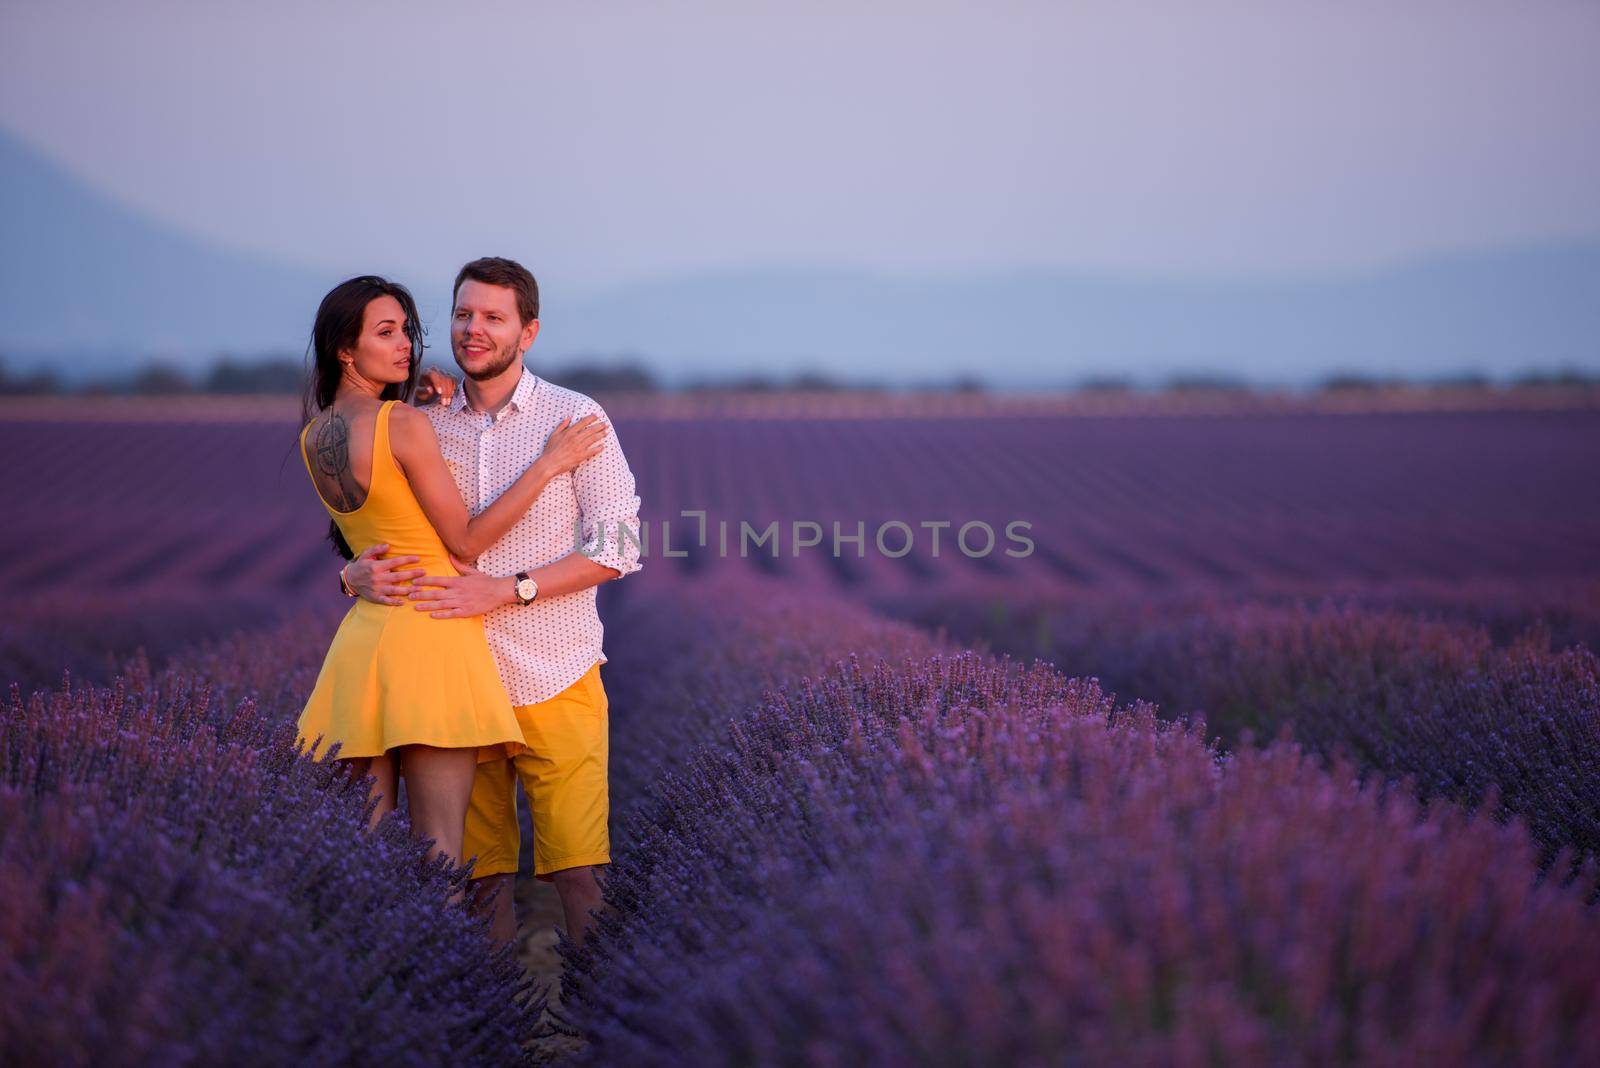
(344, 583)
(527, 589)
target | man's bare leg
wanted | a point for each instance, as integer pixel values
(580, 892)
(502, 911)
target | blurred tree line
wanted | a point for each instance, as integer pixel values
(285, 375)
(230, 375)
(160, 378)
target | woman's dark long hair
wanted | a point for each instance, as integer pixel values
(338, 327)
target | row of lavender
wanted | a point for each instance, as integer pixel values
(922, 855)
(1406, 688)
(163, 828)
(178, 886)
(946, 858)
(181, 889)
(151, 514)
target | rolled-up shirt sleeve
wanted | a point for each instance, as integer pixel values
(608, 504)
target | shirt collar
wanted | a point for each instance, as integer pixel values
(521, 397)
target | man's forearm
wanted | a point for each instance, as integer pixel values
(474, 593)
(569, 574)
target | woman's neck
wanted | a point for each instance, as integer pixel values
(354, 386)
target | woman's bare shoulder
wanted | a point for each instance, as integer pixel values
(408, 420)
(411, 431)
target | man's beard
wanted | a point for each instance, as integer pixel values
(503, 358)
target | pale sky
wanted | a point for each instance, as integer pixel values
(610, 142)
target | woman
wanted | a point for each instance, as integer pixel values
(403, 693)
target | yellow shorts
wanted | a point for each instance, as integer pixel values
(564, 775)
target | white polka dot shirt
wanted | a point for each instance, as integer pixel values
(544, 647)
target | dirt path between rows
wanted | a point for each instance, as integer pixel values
(539, 916)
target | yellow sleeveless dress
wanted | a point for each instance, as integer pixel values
(395, 675)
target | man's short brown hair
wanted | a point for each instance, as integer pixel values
(499, 271)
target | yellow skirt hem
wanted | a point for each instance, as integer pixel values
(487, 751)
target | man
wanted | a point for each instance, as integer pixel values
(535, 590)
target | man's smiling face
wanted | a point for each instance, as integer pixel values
(487, 333)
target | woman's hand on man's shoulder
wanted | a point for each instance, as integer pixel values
(435, 387)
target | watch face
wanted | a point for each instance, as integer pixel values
(526, 589)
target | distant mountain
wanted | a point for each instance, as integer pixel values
(1496, 312)
(86, 284)
(82, 276)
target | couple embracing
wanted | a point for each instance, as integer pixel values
(477, 528)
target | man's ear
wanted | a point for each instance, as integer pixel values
(529, 332)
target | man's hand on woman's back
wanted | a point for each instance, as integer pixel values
(379, 581)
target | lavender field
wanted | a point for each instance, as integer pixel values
(1279, 744)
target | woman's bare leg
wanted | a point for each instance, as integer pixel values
(438, 787)
(384, 787)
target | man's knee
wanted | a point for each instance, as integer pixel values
(491, 889)
(577, 877)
